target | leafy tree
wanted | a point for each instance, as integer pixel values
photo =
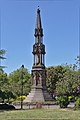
(53, 75)
(16, 81)
(69, 84)
(3, 85)
(77, 104)
(63, 101)
(64, 79)
(2, 52)
(5, 91)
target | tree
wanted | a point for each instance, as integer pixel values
(54, 73)
(64, 79)
(69, 84)
(15, 79)
(2, 52)
(68, 87)
(3, 85)
(10, 85)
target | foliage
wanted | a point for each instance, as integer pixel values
(5, 91)
(71, 98)
(63, 101)
(11, 85)
(77, 104)
(2, 52)
(68, 85)
(61, 80)
(3, 86)
(19, 79)
(21, 98)
(53, 75)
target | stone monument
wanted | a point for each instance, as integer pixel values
(38, 90)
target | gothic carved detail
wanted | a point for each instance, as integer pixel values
(38, 32)
(38, 49)
(38, 77)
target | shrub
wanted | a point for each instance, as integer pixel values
(71, 98)
(63, 101)
(77, 104)
(6, 107)
(21, 98)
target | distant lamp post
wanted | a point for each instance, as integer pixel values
(22, 74)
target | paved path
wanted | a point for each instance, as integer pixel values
(44, 106)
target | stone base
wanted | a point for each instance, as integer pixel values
(37, 95)
(47, 97)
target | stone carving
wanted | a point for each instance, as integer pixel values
(37, 59)
(37, 78)
(33, 78)
(40, 79)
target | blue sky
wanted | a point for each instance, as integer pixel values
(60, 22)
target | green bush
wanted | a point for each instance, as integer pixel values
(63, 101)
(71, 98)
(77, 104)
(21, 98)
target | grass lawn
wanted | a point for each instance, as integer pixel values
(40, 114)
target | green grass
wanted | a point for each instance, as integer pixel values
(40, 114)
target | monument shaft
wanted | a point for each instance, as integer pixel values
(38, 90)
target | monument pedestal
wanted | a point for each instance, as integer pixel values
(37, 95)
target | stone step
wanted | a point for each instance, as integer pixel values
(35, 96)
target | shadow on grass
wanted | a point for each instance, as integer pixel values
(5, 106)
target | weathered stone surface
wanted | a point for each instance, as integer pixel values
(38, 92)
(36, 95)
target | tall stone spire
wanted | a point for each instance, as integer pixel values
(38, 90)
(38, 30)
(38, 22)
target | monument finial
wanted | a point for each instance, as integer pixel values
(38, 10)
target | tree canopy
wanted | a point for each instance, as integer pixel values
(10, 85)
(16, 80)
(63, 79)
(2, 53)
